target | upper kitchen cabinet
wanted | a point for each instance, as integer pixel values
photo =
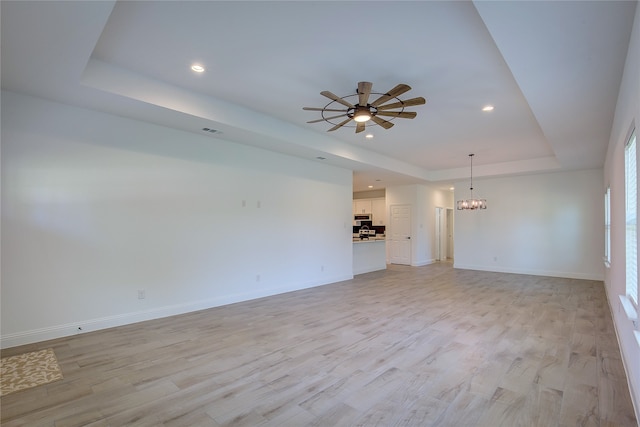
(379, 211)
(376, 207)
(362, 206)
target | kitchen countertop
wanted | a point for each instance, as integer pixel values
(370, 240)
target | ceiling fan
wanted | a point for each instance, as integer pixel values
(363, 111)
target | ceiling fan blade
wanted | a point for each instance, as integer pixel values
(339, 125)
(400, 114)
(396, 91)
(324, 109)
(364, 89)
(385, 124)
(327, 118)
(359, 127)
(408, 103)
(337, 99)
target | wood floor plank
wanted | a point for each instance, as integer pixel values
(580, 406)
(410, 346)
(614, 403)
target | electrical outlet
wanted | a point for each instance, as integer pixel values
(142, 294)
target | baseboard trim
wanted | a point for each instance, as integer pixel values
(423, 263)
(547, 273)
(635, 398)
(369, 270)
(89, 325)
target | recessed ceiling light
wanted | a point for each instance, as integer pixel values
(369, 136)
(370, 186)
(452, 188)
(197, 68)
(487, 108)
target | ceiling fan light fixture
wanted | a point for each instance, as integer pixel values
(362, 115)
(363, 111)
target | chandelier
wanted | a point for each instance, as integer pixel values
(471, 203)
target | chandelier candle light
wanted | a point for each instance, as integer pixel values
(471, 203)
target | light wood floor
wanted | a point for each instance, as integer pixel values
(410, 346)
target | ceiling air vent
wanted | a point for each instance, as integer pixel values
(209, 130)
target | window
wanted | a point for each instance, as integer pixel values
(607, 227)
(631, 218)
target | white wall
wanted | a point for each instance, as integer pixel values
(627, 116)
(550, 225)
(423, 200)
(96, 207)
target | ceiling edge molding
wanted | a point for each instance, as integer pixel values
(239, 124)
(531, 166)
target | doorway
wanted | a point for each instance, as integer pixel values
(449, 234)
(400, 238)
(444, 234)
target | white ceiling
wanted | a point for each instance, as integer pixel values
(551, 69)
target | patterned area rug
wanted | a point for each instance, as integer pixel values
(28, 370)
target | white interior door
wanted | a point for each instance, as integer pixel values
(400, 243)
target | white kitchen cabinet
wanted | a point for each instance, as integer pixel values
(377, 207)
(379, 211)
(362, 206)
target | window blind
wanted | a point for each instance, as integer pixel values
(631, 218)
(607, 226)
